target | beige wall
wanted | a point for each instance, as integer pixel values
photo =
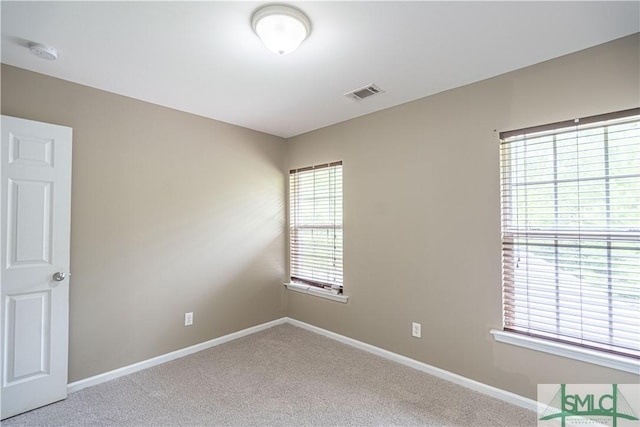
(422, 215)
(171, 213)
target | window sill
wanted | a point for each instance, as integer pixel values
(312, 290)
(612, 361)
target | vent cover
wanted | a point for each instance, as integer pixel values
(363, 92)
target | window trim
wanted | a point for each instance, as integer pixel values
(316, 291)
(596, 357)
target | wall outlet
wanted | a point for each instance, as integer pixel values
(416, 330)
(188, 319)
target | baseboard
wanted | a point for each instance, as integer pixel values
(512, 398)
(497, 393)
(126, 370)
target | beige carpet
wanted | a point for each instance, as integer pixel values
(284, 376)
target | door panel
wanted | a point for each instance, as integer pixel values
(28, 321)
(35, 195)
(29, 228)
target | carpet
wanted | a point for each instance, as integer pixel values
(282, 376)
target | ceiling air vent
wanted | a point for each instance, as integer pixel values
(363, 92)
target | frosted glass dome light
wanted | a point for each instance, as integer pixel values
(281, 28)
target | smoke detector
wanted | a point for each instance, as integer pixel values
(45, 52)
(363, 92)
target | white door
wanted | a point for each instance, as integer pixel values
(35, 196)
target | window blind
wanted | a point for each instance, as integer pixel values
(315, 217)
(570, 199)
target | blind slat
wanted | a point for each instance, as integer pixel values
(315, 219)
(570, 209)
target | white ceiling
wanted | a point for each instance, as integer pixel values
(203, 58)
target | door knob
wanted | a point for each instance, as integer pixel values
(59, 276)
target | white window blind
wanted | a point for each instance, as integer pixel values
(570, 197)
(315, 217)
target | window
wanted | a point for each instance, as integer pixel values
(570, 197)
(315, 217)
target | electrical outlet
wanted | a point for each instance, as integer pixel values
(188, 319)
(416, 330)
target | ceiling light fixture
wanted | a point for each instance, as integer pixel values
(45, 52)
(281, 28)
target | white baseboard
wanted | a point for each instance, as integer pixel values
(497, 393)
(126, 370)
(512, 398)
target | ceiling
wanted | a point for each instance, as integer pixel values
(203, 57)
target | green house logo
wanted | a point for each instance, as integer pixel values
(589, 404)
